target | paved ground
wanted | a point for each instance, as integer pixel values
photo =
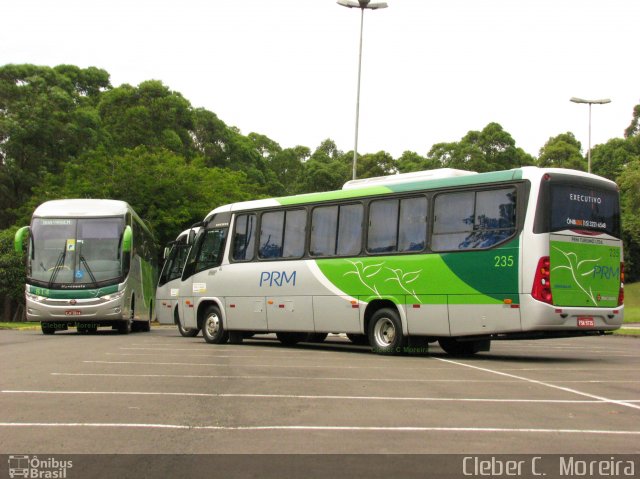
(160, 393)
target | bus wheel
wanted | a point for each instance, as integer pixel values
(385, 332)
(290, 339)
(124, 326)
(184, 332)
(463, 348)
(359, 339)
(212, 328)
(47, 328)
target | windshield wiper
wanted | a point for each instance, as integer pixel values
(58, 265)
(86, 265)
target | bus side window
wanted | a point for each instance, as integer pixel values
(473, 220)
(244, 237)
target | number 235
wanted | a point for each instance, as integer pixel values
(503, 262)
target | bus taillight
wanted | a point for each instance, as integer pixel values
(542, 284)
(621, 291)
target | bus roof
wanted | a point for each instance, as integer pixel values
(75, 208)
(421, 180)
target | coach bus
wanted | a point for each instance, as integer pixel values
(90, 263)
(446, 255)
(169, 281)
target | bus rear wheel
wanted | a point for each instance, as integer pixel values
(385, 332)
(213, 331)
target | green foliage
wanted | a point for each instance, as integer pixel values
(487, 150)
(12, 275)
(411, 161)
(46, 118)
(629, 183)
(562, 151)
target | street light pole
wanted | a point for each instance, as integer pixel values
(362, 5)
(590, 102)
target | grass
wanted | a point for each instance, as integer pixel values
(19, 325)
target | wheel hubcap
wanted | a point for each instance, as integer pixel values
(385, 332)
(212, 325)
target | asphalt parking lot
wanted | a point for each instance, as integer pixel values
(160, 393)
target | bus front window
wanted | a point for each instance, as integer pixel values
(76, 251)
(99, 250)
(53, 250)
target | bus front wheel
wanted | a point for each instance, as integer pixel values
(212, 329)
(47, 328)
(184, 332)
(385, 332)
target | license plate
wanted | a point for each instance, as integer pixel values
(586, 322)
(72, 312)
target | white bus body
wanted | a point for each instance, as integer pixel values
(462, 259)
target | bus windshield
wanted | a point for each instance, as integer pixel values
(76, 251)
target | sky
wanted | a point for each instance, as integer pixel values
(432, 70)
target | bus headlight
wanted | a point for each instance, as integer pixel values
(112, 296)
(35, 298)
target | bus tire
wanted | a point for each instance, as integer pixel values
(385, 332)
(454, 347)
(289, 338)
(47, 328)
(184, 332)
(213, 330)
(124, 326)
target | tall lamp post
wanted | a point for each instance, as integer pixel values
(590, 102)
(362, 5)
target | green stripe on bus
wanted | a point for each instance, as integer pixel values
(73, 293)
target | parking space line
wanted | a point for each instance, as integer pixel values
(625, 403)
(403, 429)
(297, 366)
(316, 378)
(316, 397)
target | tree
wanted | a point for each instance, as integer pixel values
(611, 158)
(487, 150)
(411, 161)
(12, 276)
(634, 128)
(288, 166)
(46, 117)
(629, 183)
(562, 151)
(148, 115)
(327, 169)
(168, 192)
(375, 164)
(211, 138)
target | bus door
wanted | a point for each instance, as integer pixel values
(168, 284)
(201, 276)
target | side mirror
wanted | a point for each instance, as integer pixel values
(18, 240)
(127, 239)
(165, 255)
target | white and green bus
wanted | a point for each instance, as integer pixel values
(175, 255)
(452, 256)
(90, 263)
